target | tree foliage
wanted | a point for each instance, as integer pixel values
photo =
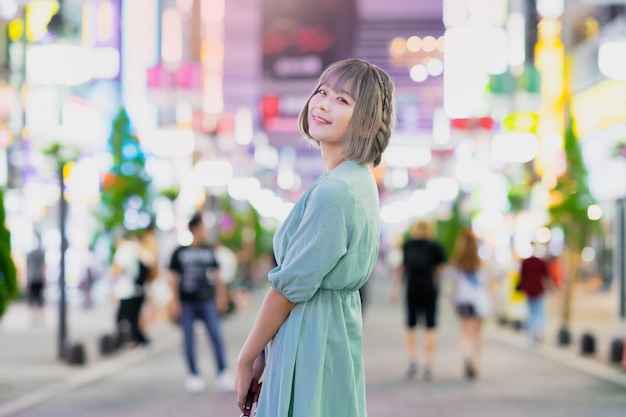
(234, 220)
(448, 229)
(126, 186)
(8, 275)
(571, 197)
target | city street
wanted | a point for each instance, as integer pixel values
(516, 380)
(153, 151)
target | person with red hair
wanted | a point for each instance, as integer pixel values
(472, 297)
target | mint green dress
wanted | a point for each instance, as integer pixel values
(325, 251)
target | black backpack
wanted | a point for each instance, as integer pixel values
(142, 277)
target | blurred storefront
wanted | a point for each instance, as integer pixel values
(213, 89)
(598, 105)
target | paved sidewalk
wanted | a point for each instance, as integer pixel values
(29, 365)
(594, 312)
(31, 374)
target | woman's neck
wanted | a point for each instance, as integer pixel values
(332, 158)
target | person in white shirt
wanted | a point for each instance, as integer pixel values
(130, 270)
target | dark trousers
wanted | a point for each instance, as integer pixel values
(205, 311)
(128, 321)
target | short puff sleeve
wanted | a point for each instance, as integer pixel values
(319, 241)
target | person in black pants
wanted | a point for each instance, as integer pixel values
(130, 270)
(36, 280)
(421, 262)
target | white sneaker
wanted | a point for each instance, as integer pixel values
(225, 382)
(194, 384)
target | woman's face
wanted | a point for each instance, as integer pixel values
(329, 114)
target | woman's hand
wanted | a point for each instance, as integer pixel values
(175, 309)
(274, 310)
(247, 379)
(393, 294)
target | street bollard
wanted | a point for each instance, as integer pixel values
(587, 344)
(106, 344)
(617, 351)
(75, 353)
(564, 338)
(624, 357)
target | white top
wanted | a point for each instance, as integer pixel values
(127, 259)
(475, 293)
(227, 260)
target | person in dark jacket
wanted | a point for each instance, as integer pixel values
(534, 282)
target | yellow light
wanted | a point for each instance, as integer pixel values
(549, 29)
(429, 44)
(397, 47)
(38, 16)
(591, 27)
(16, 29)
(212, 51)
(106, 20)
(522, 121)
(67, 170)
(440, 43)
(414, 44)
(85, 18)
(550, 61)
(598, 107)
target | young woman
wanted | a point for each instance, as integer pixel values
(472, 299)
(307, 336)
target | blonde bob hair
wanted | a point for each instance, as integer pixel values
(374, 114)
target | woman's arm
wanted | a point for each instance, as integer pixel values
(221, 293)
(272, 314)
(396, 283)
(174, 305)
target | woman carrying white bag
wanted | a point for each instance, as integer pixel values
(472, 298)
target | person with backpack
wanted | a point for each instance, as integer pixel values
(200, 294)
(130, 271)
(422, 260)
(472, 299)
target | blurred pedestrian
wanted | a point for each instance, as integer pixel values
(148, 245)
(472, 298)
(36, 281)
(422, 261)
(199, 294)
(309, 327)
(130, 270)
(535, 281)
(228, 263)
(87, 278)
